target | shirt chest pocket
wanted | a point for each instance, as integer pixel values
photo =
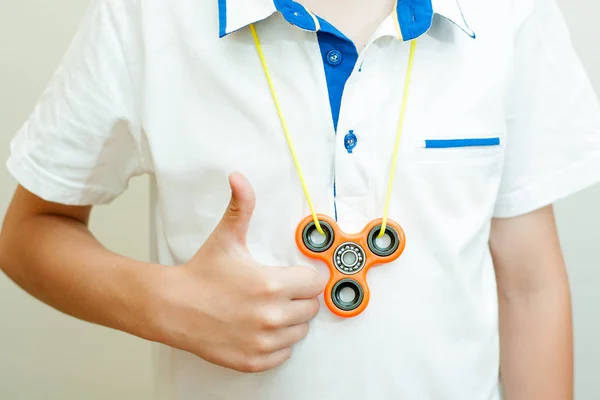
(457, 175)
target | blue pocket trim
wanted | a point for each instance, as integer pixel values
(447, 143)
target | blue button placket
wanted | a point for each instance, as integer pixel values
(339, 57)
(353, 182)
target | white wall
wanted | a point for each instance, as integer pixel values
(46, 355)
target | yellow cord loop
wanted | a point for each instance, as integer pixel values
(291, 146)
(403, 108)
(285, 128)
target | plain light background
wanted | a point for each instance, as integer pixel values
(47, 355)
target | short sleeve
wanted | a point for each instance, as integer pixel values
(83, 140)
(553, 116)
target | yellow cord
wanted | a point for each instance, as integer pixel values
(388, 197)
(291, 146)
(285, 128)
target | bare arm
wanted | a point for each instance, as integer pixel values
(535, 308)
(47, 249)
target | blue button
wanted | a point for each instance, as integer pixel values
(334, 57)
(350, 141)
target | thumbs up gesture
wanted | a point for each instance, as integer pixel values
(231, 311)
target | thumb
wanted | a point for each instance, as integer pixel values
(235, 221)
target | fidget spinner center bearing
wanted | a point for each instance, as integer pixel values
(349, 258)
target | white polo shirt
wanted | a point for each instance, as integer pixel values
(501, 120)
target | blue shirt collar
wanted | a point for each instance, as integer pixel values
(413, 17)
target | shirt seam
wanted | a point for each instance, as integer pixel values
(136, 118)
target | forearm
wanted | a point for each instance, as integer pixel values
(536, 351)
(57, 260)
(536, 343)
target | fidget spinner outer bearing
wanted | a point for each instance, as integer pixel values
(349, 258)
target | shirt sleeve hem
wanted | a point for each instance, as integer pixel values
(547, 192)
(44, 185)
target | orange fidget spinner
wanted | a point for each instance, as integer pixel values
(349, 258)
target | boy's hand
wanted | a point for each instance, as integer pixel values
(231, 311)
